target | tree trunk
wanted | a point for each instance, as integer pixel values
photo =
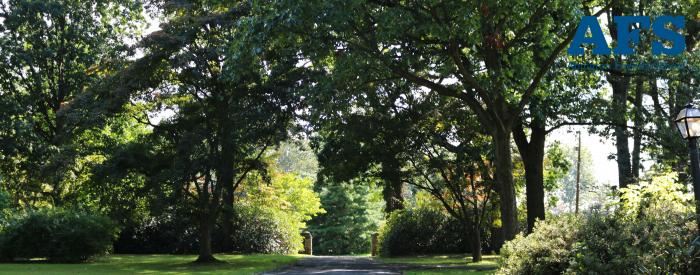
(393, 186)
(225, 176)
(476, 244)
(205, 251)
(532, 154)
(638, 125)
(618, 112)
(227, 220)
(504, 179)
(620, 85)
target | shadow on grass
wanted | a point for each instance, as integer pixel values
(446, 259)
(444, 264)
(160, 264)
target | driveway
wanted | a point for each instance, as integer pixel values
(336, 265)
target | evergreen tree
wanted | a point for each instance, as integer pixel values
(353, 210)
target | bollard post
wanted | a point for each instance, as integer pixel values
(375, 243)
(308, 243)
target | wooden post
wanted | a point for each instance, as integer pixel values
(578, 172)
(308, 243)
(375, 243)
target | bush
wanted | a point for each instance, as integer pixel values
(255, 230)
(421, 231)
(5, 208)
(57, 235)
(258, 230)
(652, 232)
(545, 251)
(605, 243)
(172, 232)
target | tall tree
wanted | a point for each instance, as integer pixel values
(52, 51)
(566, 97)
(479, 52)
(450, 160)
(365, 130)
(352, 214)
(630, 87)
(230, 84)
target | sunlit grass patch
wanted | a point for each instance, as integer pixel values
(489, 262)
(157, 264)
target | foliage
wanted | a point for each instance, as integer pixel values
(227, 92)
(169, 135)
(5, 208)
(171, 231)
(353, 210)
(416, 231)
(124, 200)
(652, 232)
(661, 193)
(296, 157)
(591, 191)
(57, 234)
(451, 160)
(545, 251)
(556, 166)
(260, 230)
(53, 52)
(267, 218)
(494, 63)
(270, 217)
(256, 229)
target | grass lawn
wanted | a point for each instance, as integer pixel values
(488, 261)
(157, 264)
(448, 272)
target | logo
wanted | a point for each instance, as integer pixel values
(661, 28)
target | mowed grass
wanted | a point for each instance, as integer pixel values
(157, 264)
(488, 262)
(449, 272)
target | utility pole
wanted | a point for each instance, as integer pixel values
(578, 172)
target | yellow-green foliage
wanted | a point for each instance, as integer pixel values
(288, 201)
(661, 193)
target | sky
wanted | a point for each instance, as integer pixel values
(605, 169)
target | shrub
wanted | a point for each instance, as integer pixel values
(259, 230)
(5, 208)
(173, 231)
(605, 243)
(421, 231)
(57, 235)
(651, 232)
(255, 230)
(545, 251)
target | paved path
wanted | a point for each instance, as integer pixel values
(336, 265)
(351, 265)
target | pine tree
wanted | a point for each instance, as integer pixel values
(353, 210)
